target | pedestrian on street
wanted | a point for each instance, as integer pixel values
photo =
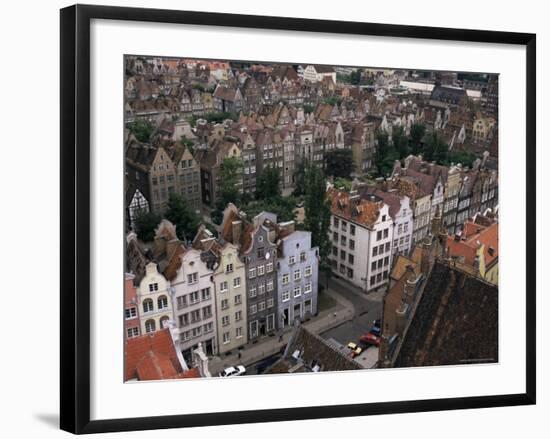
(280, 338)
(239, 355)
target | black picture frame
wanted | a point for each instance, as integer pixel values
(75, 217)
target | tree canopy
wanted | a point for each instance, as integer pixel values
(231, 171)
(145, 224)
(339, 163)
(142, 129)
(268, 184)
(182, 216)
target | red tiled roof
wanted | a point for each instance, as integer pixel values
(468, 244)
(153, 357)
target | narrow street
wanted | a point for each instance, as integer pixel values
(368, 307)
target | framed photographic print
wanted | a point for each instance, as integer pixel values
(268, 218)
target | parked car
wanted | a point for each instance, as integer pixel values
(355, 350)
(370, 339)
(232, 371)
(376, 330)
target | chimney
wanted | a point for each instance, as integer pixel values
(410, 285)
(236, 231)
(426, 257)
(401, 317)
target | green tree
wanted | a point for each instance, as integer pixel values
(332, 100)
(308, 108)
(188, 143)
(182, 216)
(355, 77)
(231, 171)
(145, 224)
(463, 157)
(400, 142)
(283, 207)
(142, 129)
(300, 178)
(317, 216)
(339, 163)
(435, 148)
(268, 184)
(342, 183)
(417, 133)
(383, 145)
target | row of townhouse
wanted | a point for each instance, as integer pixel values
(372, 224)
(258, 278)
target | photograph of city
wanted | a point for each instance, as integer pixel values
(304, 218)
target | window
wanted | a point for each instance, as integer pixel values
(386, 232)
(192, 278)
(260, 252)
(375, 251)
(342, 255)
(239, 332)
(196, 316)
(130, 313)
(379, 235)
(205, 294)
(285, 279)
(195, 332)
(238, 299)
(252, 292)
(307, 288)
(252, 273)
(253, 309)
(385, 274)
(351, 244)
(386, 261)
(261, 306)
(207, 312)
(182, 302)
(148, 305)
(350, 273)
(153, 287)
(194, 297)
(406, 227)
(162, 302)
(372, 280)
(388, 246)
(383, 217)
(132, 332)
(297, 291)
(183, 319)
(334, 250)
(150, 326)
(373, 266)
(261, 289)
(269, 267)
(224, 304)
(223, 286)
(229, 268)
(254, 329)
(261, 270)
(378, 277)
(335, 236)
(225, 320)
(238, 316)
(307, 271)
(379, 263)
(400, 229)
(286, 296)
(269, 286)
(352, 229)
(343, 240)
(302, 256)
(291, 259)
(209, 327)
(335, 221)
(351, 259)
(270, 303)
(297, 275)
(184, 336)
(237, 282)
(344, 226)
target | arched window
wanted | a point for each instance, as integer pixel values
(150, 326)
(163, 322)
(162, 302)
(147, 305)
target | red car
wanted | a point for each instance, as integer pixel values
(370, 339)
